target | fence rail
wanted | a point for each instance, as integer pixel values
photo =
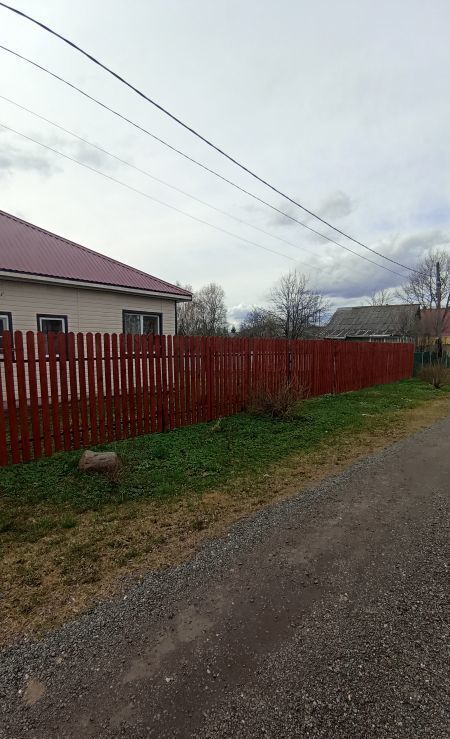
(67, 391)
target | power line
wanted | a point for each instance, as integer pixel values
(148, 174)
(205, 140)
(144, 194)
(192, 160)
(163, 182)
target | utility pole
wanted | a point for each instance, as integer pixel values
(438, 308)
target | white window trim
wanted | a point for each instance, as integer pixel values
(8, 320)
(48, 317)
(142, 315)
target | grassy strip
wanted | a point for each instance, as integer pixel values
(192, 459)
(65, 535)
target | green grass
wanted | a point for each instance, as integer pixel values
(193, 459)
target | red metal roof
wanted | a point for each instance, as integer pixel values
(28, 249)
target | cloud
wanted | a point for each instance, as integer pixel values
(277, 219)
(94, 157)
(237, 313)
(335, 206)
(354, 279)
(81, 151)
(18, 161)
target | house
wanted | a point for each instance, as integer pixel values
(51, 284)
(434, 322)
(396, 323)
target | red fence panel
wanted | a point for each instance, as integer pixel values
(62, 391)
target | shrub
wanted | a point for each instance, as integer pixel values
(436, 374)
(279, 403)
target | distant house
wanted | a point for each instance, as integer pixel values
(434, 323)
(50, 284)
(397, 323)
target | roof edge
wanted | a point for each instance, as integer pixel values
(86, 285)
(90, 251)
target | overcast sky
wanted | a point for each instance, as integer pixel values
(343, 105)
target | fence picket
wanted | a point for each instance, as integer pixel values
(3, 440)
(145, 396)
(108, 387)
(100, 388)
(22, 397)
(124, 387)
(33, 395)
(74, 413)
(138, 382)
(187, 381)
(43, 384)
(82, 390)
(54, 390)
(11, 395)
(171, 420)
(152, 382)
(91, 386)
(64, 390)
(183, 401)
(164, 389)
(176, 381)
(130, 384)
(159, 401)
(118, 434)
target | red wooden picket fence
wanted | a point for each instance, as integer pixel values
(69, 391)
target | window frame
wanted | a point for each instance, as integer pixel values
(152, 314)
(8, 315)
(52, 317)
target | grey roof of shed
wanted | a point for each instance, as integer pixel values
(371, 320)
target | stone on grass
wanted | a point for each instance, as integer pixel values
(107, 462)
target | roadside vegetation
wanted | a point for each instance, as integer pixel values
(65, 536)
(436, 374)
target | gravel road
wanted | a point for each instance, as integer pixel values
(322, 616)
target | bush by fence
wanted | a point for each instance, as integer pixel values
(69, 391)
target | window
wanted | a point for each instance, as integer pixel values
(51, 325)
(141, 323)
(5, 325)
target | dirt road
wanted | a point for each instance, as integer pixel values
(323, 616)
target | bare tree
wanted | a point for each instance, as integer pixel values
(295, 305)
(212, 312)
(206, 314)
(186, 314)
(407, 322)
(422, 286)
(429, 286)
(380, 297)
(261, 323)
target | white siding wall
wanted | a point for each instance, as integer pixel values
(86, 309)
